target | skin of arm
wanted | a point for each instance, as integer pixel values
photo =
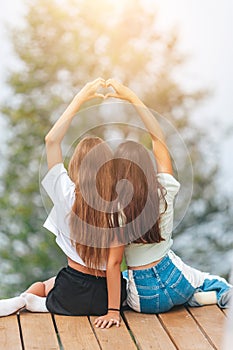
(113, 274)
(55, 136)
(161, 153)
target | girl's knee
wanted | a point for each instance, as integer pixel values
(37, 288)
(48, 285)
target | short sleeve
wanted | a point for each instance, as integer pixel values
(58, 184)
(170, 184)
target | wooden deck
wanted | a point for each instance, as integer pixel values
(180, 329)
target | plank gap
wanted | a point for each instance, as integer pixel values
(225, 312)
(93, 330)
(76, 332)
(178, 320)
(38, 331)
(20, 330)
(57, 333)
(114, 338)
(130, 332)
(202, 329)
(166, 330)
(148, 331)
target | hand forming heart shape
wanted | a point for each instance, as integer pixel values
(105, 91)
(100, 88)
(117, 90)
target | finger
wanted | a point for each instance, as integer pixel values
(111, 95)
(97, 83)
(96, 320)
(99, 95)
(95, 95)
(101, 83)
(113, 82)
(104, 324)
(98, 323)
(96, 86)
(109, 82)
(100, 79)
(110, 323)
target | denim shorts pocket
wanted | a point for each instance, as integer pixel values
(149, 303)
(181, 287)
(147, 291)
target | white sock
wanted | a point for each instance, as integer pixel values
(206, 298)
(35, 303)
(12, 305)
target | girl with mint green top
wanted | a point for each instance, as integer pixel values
(157, 278)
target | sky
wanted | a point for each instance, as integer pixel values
(205, 32)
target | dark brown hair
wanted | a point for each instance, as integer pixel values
(141, 216)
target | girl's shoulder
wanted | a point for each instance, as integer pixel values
(58, 184)
(169, 183)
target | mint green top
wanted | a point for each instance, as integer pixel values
(139, 254)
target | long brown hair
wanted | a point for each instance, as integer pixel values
(141, 216)
(91, 169)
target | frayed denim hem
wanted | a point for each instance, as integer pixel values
(225, 299)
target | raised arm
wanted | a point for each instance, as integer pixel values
(55, 136)
(161, 153)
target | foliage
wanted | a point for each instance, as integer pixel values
(62, 45)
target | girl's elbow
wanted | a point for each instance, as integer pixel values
(114, 264)
(49, 139)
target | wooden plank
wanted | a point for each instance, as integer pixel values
(148, 331)
(225, 311)
(9, 333)
(193, 329)
(38, 331)
(76, 333)
(184, 331)
(116, 338)
(212, 321)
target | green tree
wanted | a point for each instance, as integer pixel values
(62, 45)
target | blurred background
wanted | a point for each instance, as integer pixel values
(176, 55)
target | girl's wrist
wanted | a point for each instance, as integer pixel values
(112, 309)
(79, 99)
(135, 100)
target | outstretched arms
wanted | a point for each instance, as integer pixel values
(55, 136)
(160, 149)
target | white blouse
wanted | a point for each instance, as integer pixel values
(61, 190)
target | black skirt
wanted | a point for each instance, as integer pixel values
(79, 294)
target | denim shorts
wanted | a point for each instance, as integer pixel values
(170, 283)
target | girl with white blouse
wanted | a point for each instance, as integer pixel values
(81, 219)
